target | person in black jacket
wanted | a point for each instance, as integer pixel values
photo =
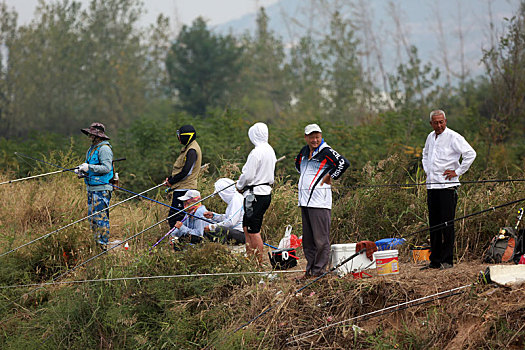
(185, 171)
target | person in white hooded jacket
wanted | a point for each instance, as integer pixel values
(228, 226)
(255, 184)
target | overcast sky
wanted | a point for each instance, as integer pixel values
(179, 11)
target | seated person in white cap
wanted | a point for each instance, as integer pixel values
(228, 226)
(192, 226)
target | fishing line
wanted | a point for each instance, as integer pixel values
(450, 222)
(166, 235)
(281, 301)
(119, 244)
(120, 188)
(441, 183)
(218, 274)
(393, 308)
(75, 222)
(94, 179)
(429, 228)
(306, 189)
(303, 287)
(416, 184)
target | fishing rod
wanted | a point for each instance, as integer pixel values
(119, 244)
(123, 189)
(294, 293)
(116, 245)
(303, 287)
(115, 186)
(169, 190)
(50, 173)
(136, 194)
(384, 311)
(441, 183)
(93, 214)
(166, 235)
(432, 228)
(35, 176)
(75, 222)
(451, 222)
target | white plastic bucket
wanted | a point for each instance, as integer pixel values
(387, 262)
(339, 252)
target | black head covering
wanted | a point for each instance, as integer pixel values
(186, 134)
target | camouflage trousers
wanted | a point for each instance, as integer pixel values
(98, 202)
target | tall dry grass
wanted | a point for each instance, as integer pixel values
(187, 313)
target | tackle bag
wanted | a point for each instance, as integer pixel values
(503, 247)
(282, 259)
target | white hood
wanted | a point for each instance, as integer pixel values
(258, 134)
(232, 218)
(228, 193)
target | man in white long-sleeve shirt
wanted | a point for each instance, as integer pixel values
(255, 184)
(443, 149)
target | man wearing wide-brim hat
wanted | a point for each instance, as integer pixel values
(97, 172)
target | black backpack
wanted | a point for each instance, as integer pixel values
(508, 245)
(503, 247)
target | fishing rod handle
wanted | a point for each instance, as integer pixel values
(520, 216)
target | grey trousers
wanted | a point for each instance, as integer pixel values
(316, 239)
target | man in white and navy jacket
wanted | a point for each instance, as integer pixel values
(443, 149)
(318, 164)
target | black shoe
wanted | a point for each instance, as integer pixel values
(431, 266)
(317, 274)
(303, 278)
(445, 266)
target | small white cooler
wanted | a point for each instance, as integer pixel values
(340, 252)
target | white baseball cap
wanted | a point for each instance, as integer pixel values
(189, 195)
(311, 128)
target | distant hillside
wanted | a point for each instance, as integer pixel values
(464, 23)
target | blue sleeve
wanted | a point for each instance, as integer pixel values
(197, 230)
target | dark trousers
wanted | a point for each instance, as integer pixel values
(226, 235)
(442, 208)
(175, 203)
(316, 239)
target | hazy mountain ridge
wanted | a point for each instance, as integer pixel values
(463, 24)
